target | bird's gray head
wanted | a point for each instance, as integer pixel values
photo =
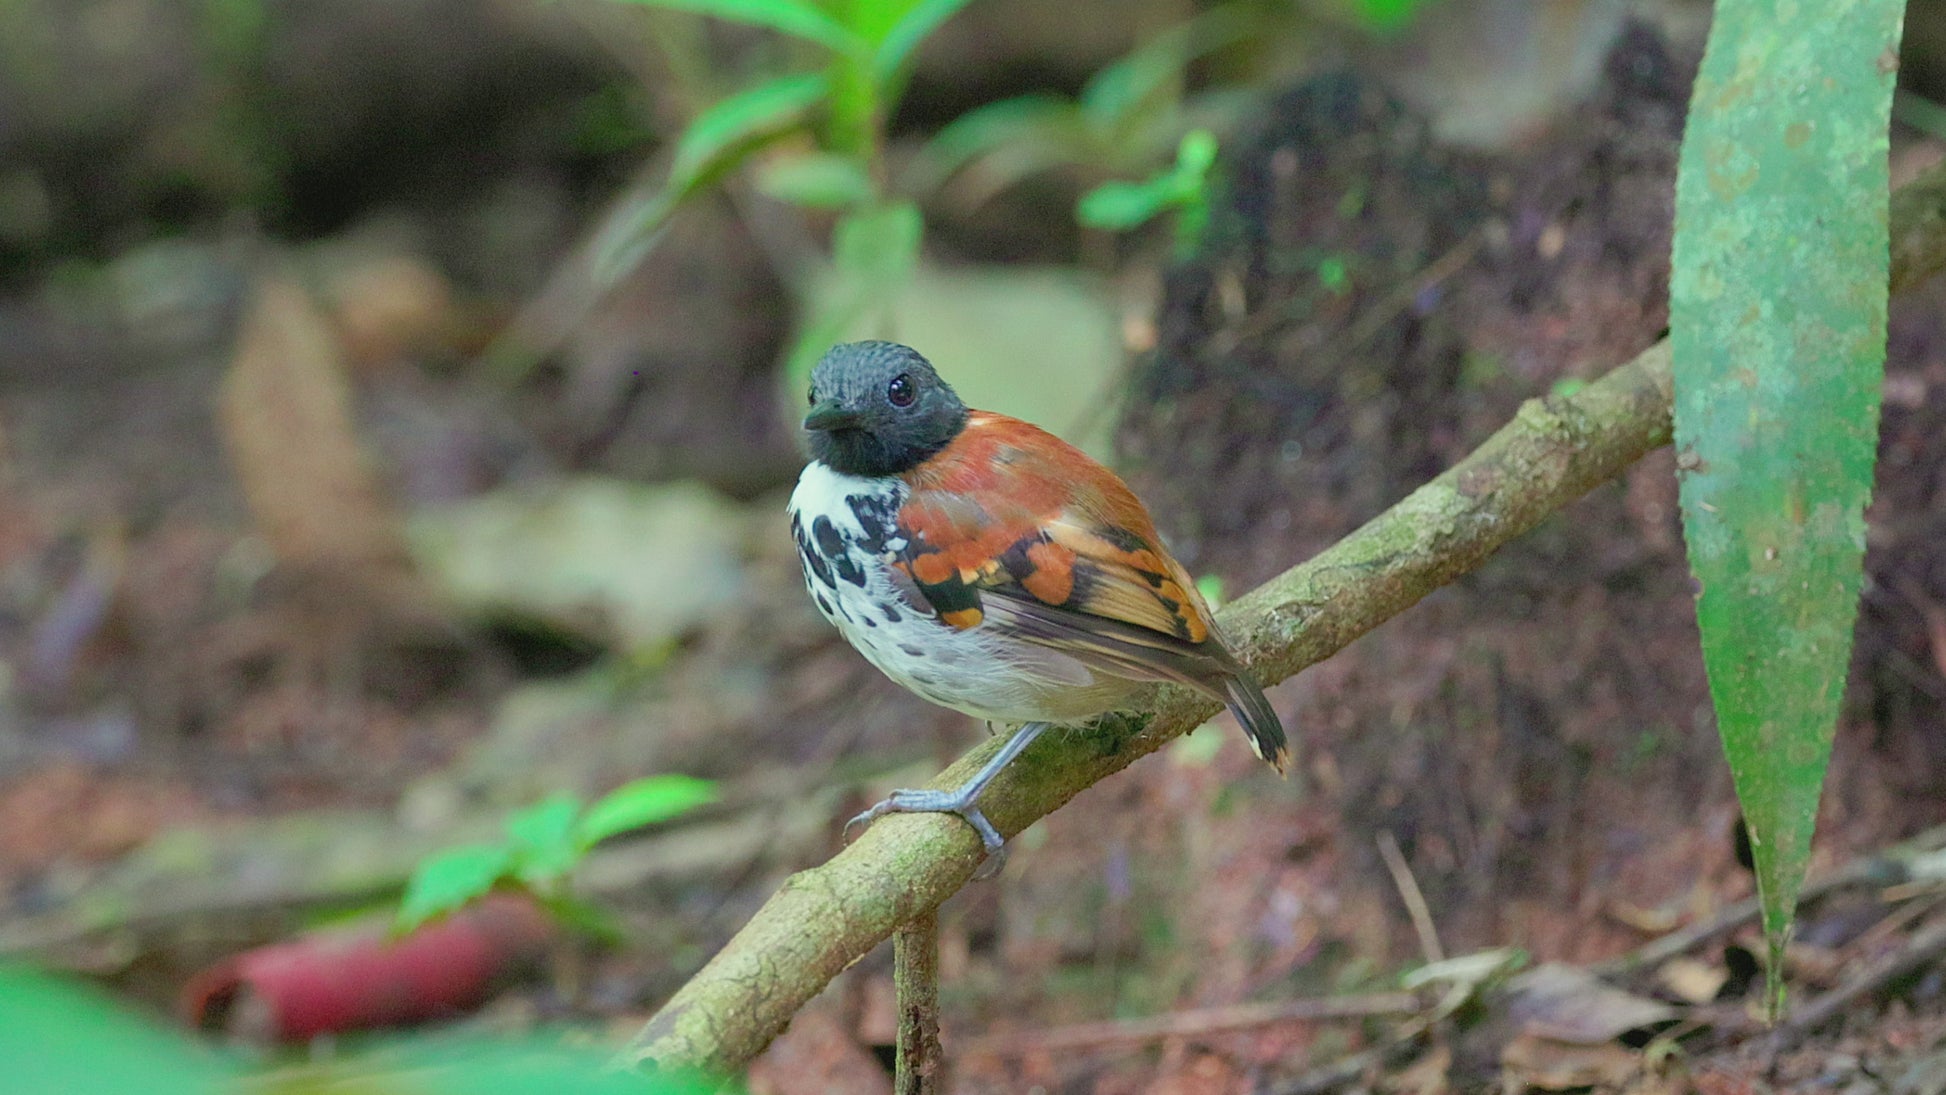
(878, 408)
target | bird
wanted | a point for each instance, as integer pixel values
(992, 568)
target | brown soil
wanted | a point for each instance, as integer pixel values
(1368, 306)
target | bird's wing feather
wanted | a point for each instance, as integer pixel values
(1012, 512)
(1013, 525)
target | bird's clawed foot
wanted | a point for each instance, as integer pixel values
(958, 803)
(962, 801)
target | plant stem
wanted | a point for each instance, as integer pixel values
(920, 1064)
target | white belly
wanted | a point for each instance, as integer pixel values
(978, 670)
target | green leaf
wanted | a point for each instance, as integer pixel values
(798, 18)
(642, 802)
(818, 180)
(1195, 156)
(57, 1035)
(1386, 15)
(717, 141)
(1113, 97)
(542, 839)
(906, 34)
(458, 1062)
(728, 129)
(1120, 206)
(447, 881)
(1777, 327)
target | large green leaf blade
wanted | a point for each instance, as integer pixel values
(1777, 326)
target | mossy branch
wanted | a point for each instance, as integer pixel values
(1555, 450)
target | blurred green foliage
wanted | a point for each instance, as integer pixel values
(1777, 328)
(1126, 121)
(544, 844)
(59, 1037)
(820, 132)
(1387, 15)
(862, 49)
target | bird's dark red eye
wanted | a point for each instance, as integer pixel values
(901, 391)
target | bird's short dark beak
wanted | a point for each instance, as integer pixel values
(831, 415)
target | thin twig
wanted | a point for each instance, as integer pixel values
(1919, 951)
(920, 1066)
(1415, 901)
(1887, 867)
(1395, 1049)
(1195, 1023)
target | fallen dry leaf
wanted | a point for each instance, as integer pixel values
(286, 416)
(1565, 1004)
(1692, 980)
(389, 307)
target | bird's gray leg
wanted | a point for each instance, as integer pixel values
(962, 800)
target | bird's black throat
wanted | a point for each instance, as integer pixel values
(873, 453)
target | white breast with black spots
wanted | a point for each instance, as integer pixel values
(847, 536)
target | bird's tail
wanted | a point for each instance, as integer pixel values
(1259, 721)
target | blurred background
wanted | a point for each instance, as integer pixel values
(397, 406)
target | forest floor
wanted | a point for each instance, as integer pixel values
(1525, 760)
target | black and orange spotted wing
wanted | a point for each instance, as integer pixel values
(1012, 526)
(1010, 520)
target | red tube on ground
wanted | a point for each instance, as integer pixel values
(357, 978)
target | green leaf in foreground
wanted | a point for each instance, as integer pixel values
(447, 881)
(643, 802)
(1777, 328)
(441, 1062)
(57, 1035)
